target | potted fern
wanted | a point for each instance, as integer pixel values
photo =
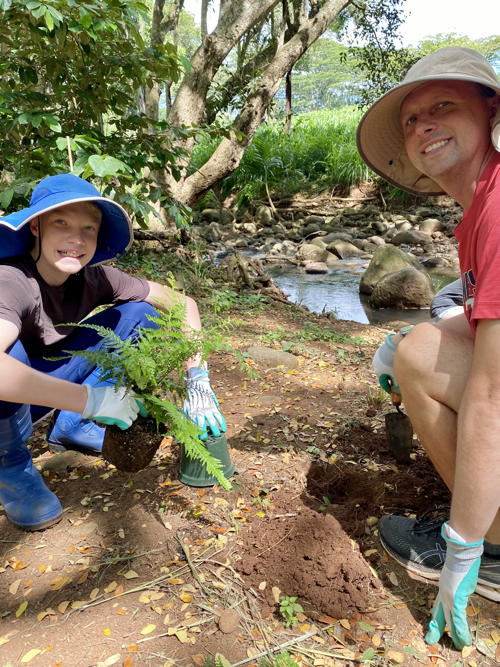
(153, 367)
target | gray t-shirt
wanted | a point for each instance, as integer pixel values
(36, 308)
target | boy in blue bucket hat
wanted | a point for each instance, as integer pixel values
(52, 272)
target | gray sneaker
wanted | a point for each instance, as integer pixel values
(417, 545)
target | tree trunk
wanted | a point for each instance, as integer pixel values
(203, 19)
(288, 102)
(189, 107)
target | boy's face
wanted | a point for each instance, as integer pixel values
(68, 240)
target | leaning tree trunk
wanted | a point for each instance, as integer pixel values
(189, 105)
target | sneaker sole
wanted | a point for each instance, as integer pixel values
(38, 526)
(57, 448)
(483, 588)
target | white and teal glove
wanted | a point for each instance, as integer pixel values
(112, 406)
(201, 405)
(382, 363)
(458, 580)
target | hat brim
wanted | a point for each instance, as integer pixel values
(380, 138)
(115, 233)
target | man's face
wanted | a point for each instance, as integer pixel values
(68, 239)
(446, 127)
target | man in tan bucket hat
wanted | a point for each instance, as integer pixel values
(437, 132)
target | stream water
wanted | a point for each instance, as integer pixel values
(338, 292)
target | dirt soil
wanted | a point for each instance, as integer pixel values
(142, 570)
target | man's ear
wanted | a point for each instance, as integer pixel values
(495, 123)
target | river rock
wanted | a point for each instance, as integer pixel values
(319, 242)
(264, 215)
(380, 226)
(210, 215)
(249, 228)
(411, 237)
(213, 232)
(407, 288)
(272, 358)
(311, 228)
(226, 216)
(314, 220)
(431, 225)
(376, 240)
(308, 252)
(315, 267)
(435, 262)
(386, 259)
(403, 225)
(337, 236)
(344, 249)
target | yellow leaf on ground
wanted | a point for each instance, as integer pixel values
(148, 629)
(128, 661)
(58, 583)
(111, 587)
(495, 635)
(175, 582)
(185, 597)
(77, 604)
(262, 585)
(112, 660)
(13, 588)
(28, 657)
(376, 640)
(133, 648)
(106, 632)
(131, 574)
(21, 609)
(43, 614)
(183, 637)
(94, 593)
(62, 606)
(3, 640)
(395, 656)
(467, 650)
(345, 623)
(276, 594)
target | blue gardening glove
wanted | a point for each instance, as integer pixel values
(113, 406)
(201, 405)
(382, 363)
(458, 580)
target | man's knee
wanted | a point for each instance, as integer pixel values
(412, 354)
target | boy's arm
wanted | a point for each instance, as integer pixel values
(161, 296)
(21, 384)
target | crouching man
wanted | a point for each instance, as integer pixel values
(435, 133)
(52, 273)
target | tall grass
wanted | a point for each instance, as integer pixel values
(319, 151)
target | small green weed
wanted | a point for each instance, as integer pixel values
(310, 333)
(326, 503)
(289, 608)
(280, 660)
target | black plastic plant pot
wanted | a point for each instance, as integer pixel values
(194, 473)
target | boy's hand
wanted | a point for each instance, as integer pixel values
(112, 406)
(201, 405)
(458, 580)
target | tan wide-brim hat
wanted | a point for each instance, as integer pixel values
(380, 135)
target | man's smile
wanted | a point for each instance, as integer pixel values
(435, 146)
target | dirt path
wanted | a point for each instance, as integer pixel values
(145, 571)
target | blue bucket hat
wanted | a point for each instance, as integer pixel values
(115, 234)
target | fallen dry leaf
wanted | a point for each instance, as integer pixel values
(345, 623)
(62, 606)
(148, 629)
(467, 650)
(13, 588)
(21, 609)
(395, 656)
(111, 587)
(28, 657)
(131, 574)
(276, 594)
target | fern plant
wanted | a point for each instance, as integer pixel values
(152, 366)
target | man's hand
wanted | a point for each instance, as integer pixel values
(112, 406)
(201, 405)
(458, 580)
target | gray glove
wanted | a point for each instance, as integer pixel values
(382, 363)
(201, 405)
(111, 405)
(458, 580)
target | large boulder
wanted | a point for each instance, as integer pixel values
(386, 259)
(210, 215)
(407, 288)
(308, 252)
(315, 267)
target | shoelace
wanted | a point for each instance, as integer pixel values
(432, 520)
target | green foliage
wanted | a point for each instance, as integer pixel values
(320, 151)
(289, 608)
(62, 78)
(152, 366)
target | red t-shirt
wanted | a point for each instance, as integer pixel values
(478, 236)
